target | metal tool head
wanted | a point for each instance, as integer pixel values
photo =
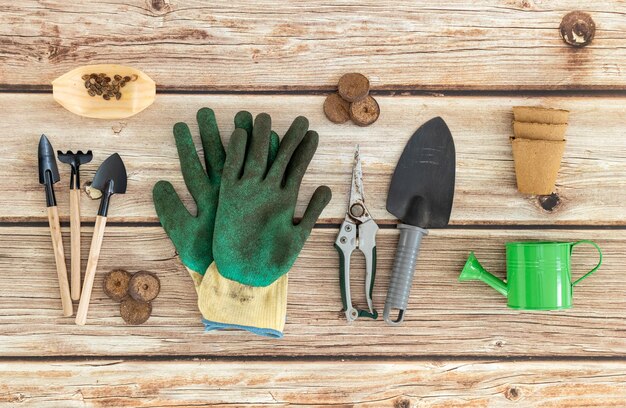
(422, 186)
(112, 175)
(47, 162)
(75, 160)
(356, 205)
(110, 178)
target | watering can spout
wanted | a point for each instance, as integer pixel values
(473, 270)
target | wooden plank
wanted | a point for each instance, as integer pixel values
(590, 184)
(445, 318)
(328, 383)
(269, 45)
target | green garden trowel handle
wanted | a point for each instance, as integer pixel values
(403, 271)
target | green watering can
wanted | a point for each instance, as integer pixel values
(538, 274)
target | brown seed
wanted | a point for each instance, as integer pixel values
(85, 77)
(122, 84)
(577, 28)
(98, 91)
(364, 112)
(133, 77)
(135, 311)
(106, 97)
(118, 96)
(336, 109)
(93, 76)
(117, 77)
(102, 74)
(107, 79)
(126, 78)
(353, 87)
(144, 286)
(91, 93)
(87, 84)
(115, 284)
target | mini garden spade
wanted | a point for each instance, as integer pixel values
(420, 195)
(48, 175)
(110, 179)
(75, 160)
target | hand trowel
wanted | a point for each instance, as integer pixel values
(48, 175)
(111, 179)
(420, 195)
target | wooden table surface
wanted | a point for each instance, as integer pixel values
(467, 61)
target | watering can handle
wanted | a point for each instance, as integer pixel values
(596, 267)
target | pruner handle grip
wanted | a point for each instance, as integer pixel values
(345, 245)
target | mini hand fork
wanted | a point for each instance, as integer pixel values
(358, 231)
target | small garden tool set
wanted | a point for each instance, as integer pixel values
(242, 241)
(110, 178)
(420, 195)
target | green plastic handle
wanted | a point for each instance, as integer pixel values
(343, 284)
(342, 280)
(596, 267)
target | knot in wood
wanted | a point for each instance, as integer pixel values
(577, 28)
(159, 6)
(512, 394)
(402, 403)
(549, 202)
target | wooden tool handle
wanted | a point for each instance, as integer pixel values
(75, 243)
(90, 272)
(59, 257)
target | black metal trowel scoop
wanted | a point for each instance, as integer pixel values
(111, 179)
(420, 195)
(75, 160)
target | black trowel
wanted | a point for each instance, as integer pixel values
(111, 179)
(420, 195)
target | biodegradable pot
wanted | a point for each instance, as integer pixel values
(539, 131)
(537, 164)
(538, 114)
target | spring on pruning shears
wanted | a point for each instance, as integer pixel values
(358, 231)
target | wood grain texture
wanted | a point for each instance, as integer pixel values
(270, 45)
(590, 183)
(75, 253)
(90, 271)
(444, 318)
(118, 383)
(59, 260)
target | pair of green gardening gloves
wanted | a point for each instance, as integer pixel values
(243, 240)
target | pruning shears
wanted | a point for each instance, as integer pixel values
(358, 231)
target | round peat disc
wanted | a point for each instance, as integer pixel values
(337, 109)
(364, 112)
(115, 284)
(353, 87)
(144, 286)
(135, 311)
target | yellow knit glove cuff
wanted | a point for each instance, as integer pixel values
(228, 304)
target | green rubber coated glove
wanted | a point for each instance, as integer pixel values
(258, 241)
(191, 235)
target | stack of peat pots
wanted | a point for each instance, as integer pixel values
(538, 144)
